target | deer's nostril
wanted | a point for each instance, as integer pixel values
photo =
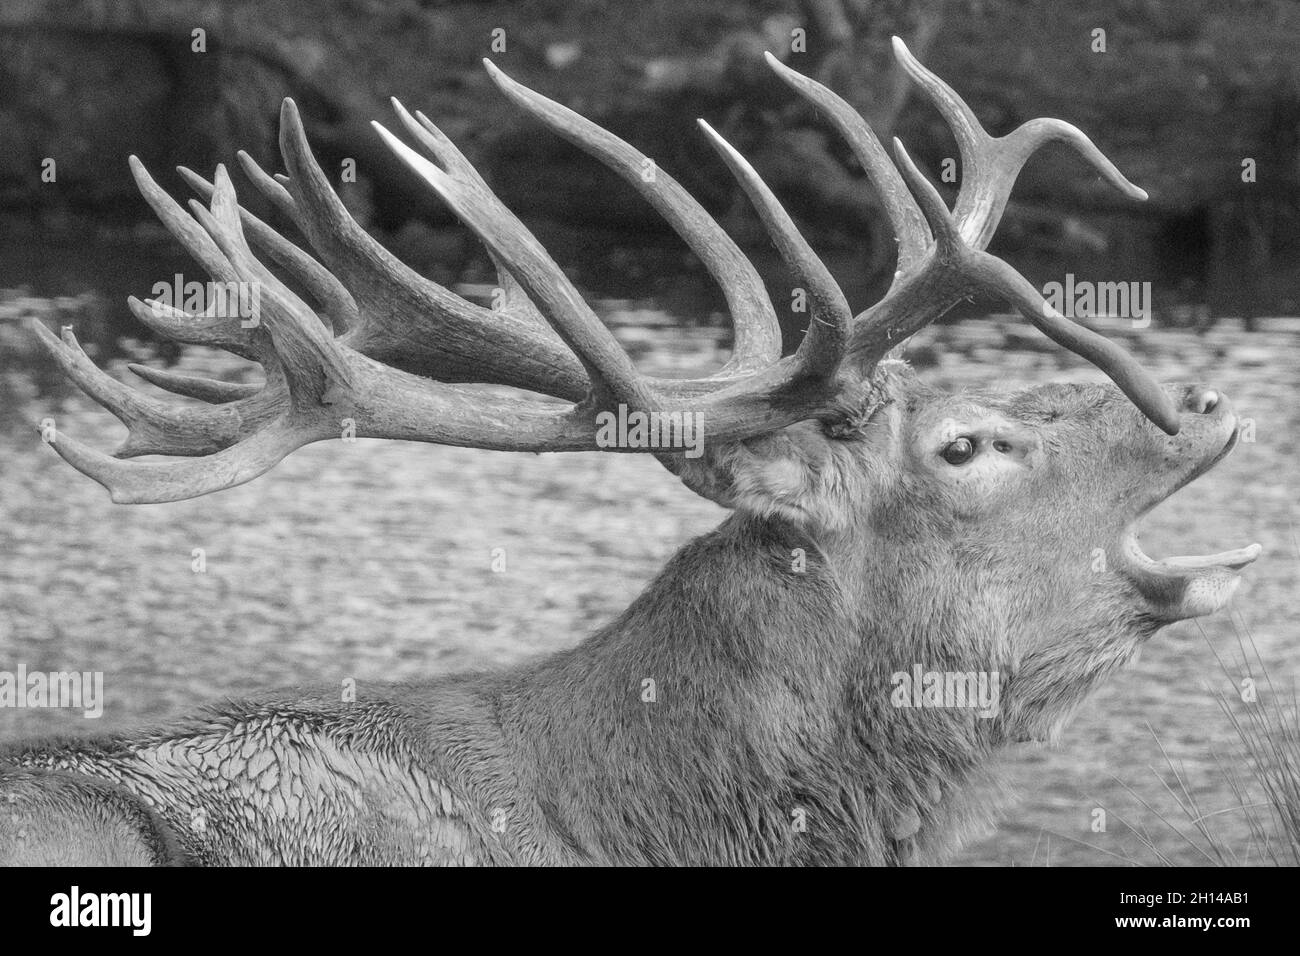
(1202, 401)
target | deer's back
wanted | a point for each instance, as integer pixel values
(405, 775)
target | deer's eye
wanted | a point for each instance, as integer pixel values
(958, 452)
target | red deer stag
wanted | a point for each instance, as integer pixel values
(879, 530)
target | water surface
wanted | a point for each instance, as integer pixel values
(373, 560)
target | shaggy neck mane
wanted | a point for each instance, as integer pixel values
(740, 711)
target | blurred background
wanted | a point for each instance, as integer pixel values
(372, 560)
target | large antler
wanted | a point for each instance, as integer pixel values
(393, 354)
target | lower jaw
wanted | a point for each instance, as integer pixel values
(1184, 586)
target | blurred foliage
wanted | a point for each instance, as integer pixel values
(1181, 93)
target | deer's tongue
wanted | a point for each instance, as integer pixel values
(1235, 559)
(1189, 585)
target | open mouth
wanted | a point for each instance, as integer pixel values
(1189, 585)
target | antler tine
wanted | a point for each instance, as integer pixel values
(270, 187)
(204, 329)
(823, 347)
(149, 482)
(210, 390)
(906, 219)
(934, 275)
(991, 164)
(757, 331)
(437, 143)
(980, 272)
(408, 321)
(306, 349)
(947, 236)
(546, 284)
(190, 235)
(301, 360)
(568, 379)
(326, 290)
(152, 427)
(996, 276)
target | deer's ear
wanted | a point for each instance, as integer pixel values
(800, 473)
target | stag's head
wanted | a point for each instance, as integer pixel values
(997, 531)
(999, 526)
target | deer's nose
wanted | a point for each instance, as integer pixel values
(1200, 400)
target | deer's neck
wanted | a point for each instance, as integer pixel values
(736, 712)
